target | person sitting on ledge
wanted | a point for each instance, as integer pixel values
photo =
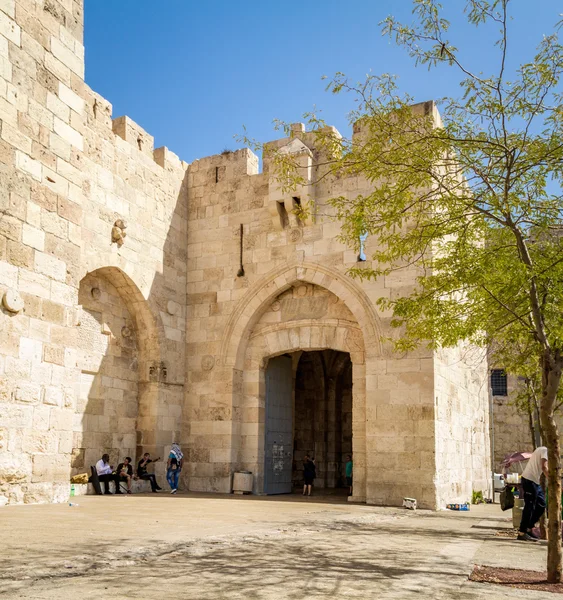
(105, 474)
(125, 472)
(142, 471)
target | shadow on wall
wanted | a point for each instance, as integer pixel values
(131, 352)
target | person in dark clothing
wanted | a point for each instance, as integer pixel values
(142, 471)
(125, 472)
(309, 474)
(106, 474)
(534, 498)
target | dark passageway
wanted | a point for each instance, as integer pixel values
(323, 416)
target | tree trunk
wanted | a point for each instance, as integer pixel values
(539, 442)
(531, 423)
(552, 364)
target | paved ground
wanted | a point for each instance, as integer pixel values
(212, 547)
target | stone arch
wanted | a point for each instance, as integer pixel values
(136, 291)
(263, 339)
(131, 362)
(252, 305)
(138, 306)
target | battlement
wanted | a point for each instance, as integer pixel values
(224, 166)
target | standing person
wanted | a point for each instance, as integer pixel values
(142, 471)
(175, 464)
(349, 471)
(106, 474)
(125, 472)
(534, 499)
(309, 474)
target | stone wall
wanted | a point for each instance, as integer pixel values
(191, 261)
(68, 173)
(108, 358)
(232, 332)
(462, 424)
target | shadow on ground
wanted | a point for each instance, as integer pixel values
(353, 557)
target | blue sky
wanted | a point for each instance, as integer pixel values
(193, 74)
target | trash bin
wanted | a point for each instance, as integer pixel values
(517, 512)
(242, 482)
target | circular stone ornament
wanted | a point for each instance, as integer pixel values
(125, 331)
(172, 308)
(12, 301)
(295, 235)
(207, 362)
(96, 293)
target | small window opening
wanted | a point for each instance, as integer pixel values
(298, 209)
(140, 143)
(216, 174)
(498, 382)
(282, 212)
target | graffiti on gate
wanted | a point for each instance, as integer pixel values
(277, 457)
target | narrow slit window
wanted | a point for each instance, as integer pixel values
(297, 208)
(282, 212)
(362, 254)
(498, 382)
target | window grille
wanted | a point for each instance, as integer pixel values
(498, 382)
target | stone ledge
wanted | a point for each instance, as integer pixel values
(139, 486)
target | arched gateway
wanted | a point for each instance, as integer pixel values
(323, 322)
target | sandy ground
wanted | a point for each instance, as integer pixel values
(213, 547)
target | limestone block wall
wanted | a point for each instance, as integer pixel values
(393, 406)
(462, 425)
(512, 431)
(108, 358)
(67, 174)
(190, 259)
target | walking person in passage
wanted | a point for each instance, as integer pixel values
(175, 464)
(106, 474)
(534, 498)
(309, 474)
(142, 471)
(349, 471)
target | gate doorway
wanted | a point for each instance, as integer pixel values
(279, 426)
(308, 412)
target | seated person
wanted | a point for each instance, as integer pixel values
(125, 472)
(142, 471)
(105, 474)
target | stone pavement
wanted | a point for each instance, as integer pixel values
(209, 547)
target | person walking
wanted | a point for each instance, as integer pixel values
(534, 498)
(143, 474)
(309, 474)
(175, 464)
(349, 471)
(106, 474)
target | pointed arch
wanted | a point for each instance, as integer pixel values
(252, 305)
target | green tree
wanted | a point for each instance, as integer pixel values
(473, 198)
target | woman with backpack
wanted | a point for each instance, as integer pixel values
(174, 466)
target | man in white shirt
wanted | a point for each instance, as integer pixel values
(534, 497)
(105, 474)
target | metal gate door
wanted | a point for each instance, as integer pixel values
(279, 426)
